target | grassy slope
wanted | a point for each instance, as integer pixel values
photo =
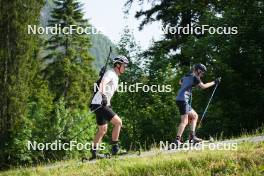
(247, 160)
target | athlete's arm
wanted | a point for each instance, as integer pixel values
(102, 89)
(206, 85)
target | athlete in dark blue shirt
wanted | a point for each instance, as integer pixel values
(183, 101)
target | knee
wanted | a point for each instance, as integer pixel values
(117, 121)
(195, 116)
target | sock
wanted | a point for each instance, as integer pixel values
(114, 142)
(93, 151)
(94, 147)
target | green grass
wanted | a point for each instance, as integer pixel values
(257, 132)
(248, 159)
(244, 134)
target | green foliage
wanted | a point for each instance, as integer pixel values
(17, 60)
(238, 58)
(46, 99)
(70, 77)
(100, 49)
(129, 111)
(69, 71)
(148, 117)
(99, 43)
(37, 104)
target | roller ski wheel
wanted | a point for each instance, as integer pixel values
(177, 143)
(120, 153)
(98, 156)
(195, 140)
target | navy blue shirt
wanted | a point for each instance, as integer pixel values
(185, 92)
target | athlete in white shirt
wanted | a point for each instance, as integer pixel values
(101, 104)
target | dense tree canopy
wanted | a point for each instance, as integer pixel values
(238, 58)
(46, 82)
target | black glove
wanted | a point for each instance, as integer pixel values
(104, 100)
(217, 80)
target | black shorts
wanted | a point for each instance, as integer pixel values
(103, 114)
(184, 107)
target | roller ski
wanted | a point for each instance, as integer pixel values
(117, 152)
(177, 143)
(96, 156)
(193, 139)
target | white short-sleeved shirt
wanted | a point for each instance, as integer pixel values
(109, 89)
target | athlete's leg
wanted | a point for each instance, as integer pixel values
(102, 129)
(183, 108)
(193, 116)
(184, 122)
(117, 122)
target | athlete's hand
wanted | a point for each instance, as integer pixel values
(217, 80)
(104, 100)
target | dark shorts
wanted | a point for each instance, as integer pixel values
(184, 107)
(103, 114)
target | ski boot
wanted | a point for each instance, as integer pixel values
(177, 143)
(96, 155)
(116, 150)
(194, 139)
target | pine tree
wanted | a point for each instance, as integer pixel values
(18, 52)
(69, 65)
(238, 58)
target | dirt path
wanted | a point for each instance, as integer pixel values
(158, 152)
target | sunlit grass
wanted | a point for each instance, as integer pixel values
(247, 160)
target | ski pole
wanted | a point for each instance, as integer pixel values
(62, 131)
(86, 126)
(207, 105)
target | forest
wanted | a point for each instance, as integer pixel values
(46, 82)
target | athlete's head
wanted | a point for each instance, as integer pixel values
(199, 69)
(120, 63)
